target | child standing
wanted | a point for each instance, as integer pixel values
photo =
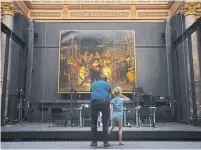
(116, 111)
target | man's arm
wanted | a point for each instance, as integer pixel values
(91, 87)
(110, 91)
(110, 88)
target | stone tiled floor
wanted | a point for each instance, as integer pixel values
(85, 145)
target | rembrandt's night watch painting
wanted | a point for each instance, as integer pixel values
(85, 55)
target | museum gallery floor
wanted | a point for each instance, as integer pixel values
(42, 131)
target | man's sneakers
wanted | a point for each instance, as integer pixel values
(107, 144)
(93, 144)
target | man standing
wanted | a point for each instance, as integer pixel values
(100, 96)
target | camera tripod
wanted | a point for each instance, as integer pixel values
(20, 119)
(71, 113)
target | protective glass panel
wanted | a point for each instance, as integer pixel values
(186, 61)
(13, 104)
(184, 106)
(3, 46)
(196, 45)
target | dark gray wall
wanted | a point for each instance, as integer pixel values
(20, 27)
(150, 54)
(177, 25)
(179, 59)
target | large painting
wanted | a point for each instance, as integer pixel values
(85, 55)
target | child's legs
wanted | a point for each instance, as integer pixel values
(112, 126)
(120, 123)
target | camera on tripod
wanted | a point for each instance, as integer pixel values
(21, 98)
(137, 93)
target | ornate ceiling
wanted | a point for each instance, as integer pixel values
(100, 10)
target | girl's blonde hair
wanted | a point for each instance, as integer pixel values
(117, 91)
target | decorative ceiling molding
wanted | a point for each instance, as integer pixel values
(131, 14)
(170, 3)
(191, 8)
(127, 10)
(42, 14)
(198, 14)
(7, 8)
(87, 2)
(160, 14)
(100, 21)
(100, 6)
(176, 6)
(22, 7)
(99, 10)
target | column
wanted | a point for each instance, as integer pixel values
(190, 12)
(7, 10)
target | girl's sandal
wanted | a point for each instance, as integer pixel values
(120, 144)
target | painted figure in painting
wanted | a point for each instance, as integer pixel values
(95, 70)
(64, 69)
(73, 68)
(115, 71)
(106, 70)
(82, 74)
(123, 71)
(97, 56)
